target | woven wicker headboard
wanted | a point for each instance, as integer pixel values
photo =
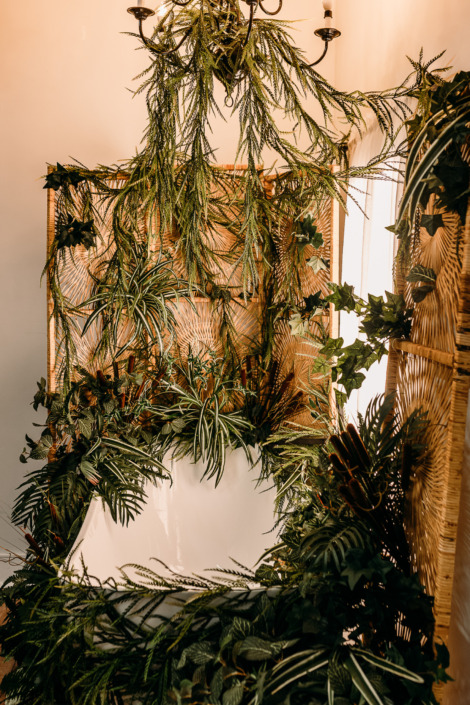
(432, 372)
(197, 325)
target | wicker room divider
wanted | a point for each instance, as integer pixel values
(431, 371)
(197, 326)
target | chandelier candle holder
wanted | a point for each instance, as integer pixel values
(326, 33)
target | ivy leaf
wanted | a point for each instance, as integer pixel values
(421, 274)
(419, 293)
(314, 302)
(297, 325)
(73, 232)
(317, 264)
(432, 223)
(332, 347)
(453, 173)
(443, 662)
(352, 381)
(342, 297)
(359, 565)
(309, 234)
(41, 395)
(321, 366)
(61, 176)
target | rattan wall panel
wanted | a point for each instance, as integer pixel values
(432, 372)
(197, 324)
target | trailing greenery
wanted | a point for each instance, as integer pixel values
(92, 444)
(436, 168)
(172, 198)
(380, 321)
(111, 433)
(336, 616)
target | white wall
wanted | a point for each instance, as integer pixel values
(65, 69)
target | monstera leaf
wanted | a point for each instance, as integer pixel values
(309, 234)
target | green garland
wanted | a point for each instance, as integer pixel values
(325, 625)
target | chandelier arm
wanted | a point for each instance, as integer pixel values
(152, 47)
(314, 63)
(268, 12)
(181, 3)
(250, 23)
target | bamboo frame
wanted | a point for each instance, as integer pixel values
(51, 328)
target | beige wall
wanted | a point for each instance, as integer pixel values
(378, 35)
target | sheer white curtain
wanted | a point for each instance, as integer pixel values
(368, 254)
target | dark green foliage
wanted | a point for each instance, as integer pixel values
(134, 301)
(93, 446)
(426, 276)
(432, 223)
(435, 166)
(63, 176)
(173, 185)
(308, 234)
(192, 413)
(380, 321)
(72, 232)
(326, 622)
(270, 399)
(342, 297)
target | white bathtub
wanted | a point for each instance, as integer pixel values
(190, 525)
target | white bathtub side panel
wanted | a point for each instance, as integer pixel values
(190, 525)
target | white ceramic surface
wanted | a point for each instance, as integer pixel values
(190, 525)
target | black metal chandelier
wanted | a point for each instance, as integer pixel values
(326, 33)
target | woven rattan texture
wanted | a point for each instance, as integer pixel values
(432, 372)
(198, 324)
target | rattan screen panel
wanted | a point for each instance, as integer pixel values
(197, 328)
(432, 372)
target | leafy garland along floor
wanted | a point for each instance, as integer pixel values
(340, 614)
